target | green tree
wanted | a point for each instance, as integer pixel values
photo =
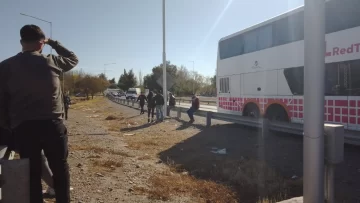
(150, 80)
(112, 81)
(127, 80)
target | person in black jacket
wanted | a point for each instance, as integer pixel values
(142, 98)
(151, 106)
(172, 103)
(159, 102)
(67, 103)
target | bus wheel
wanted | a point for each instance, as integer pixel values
(251, 110)
(276, 112)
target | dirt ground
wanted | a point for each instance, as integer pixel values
(115, 156)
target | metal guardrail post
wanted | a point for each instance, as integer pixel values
(208, 118)
(179, 113)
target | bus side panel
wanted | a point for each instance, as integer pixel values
(235, 83)
(261, 83)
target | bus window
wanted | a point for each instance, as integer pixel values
(341, 15)
(264, 37)
(224, 85)
(250, 42)
(231, 47)
(295, 79)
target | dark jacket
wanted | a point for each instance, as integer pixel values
(30, 87)
(142, 99)
(67, 101)
(195, 104)
(159, 99)
(6, 138)
(172, 101)
(151, 100)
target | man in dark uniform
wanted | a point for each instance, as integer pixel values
(67, 102)
(151, 106)
(32, 107)
(142, 99)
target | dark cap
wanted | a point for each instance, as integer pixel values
(31, 33)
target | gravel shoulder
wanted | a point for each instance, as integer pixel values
(116, 156)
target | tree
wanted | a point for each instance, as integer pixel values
(127, 80)
(150, 80)
(91, 85)
(112, 81)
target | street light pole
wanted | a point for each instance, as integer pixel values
(314, 72)
(164, 59)
(193, 62)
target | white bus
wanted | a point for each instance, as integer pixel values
(260, 70)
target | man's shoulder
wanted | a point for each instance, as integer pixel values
(4, 65)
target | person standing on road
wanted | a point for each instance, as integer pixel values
(151, 106)
(172, 103)
(142, 98)
(31, 105)
(159, 101)
(67, 102)
(195, 105)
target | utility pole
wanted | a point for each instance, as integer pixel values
(314, 72)
(164, 59)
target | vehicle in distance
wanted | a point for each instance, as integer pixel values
(260, 70)
(133, 93)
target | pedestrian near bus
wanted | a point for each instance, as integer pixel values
(35, 114)
(195, 105)
(142, 98)
(67, 103)
(172, 103)
(159, 101)
(151, 106)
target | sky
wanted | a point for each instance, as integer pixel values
(129, 32)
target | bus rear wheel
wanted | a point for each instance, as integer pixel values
(251, 110)
(276, 112)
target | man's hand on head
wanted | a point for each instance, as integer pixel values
(46, 41)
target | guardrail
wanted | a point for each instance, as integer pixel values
(265, 124)
(179, 100)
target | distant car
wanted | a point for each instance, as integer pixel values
(133, 93)
(81, 94)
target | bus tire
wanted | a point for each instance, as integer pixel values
(276, 112)
(251, 110)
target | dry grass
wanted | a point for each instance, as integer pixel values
(145, 157)
(99, 150)
(108, 164)
(167, 184)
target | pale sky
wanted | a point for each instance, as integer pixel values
(129, 32)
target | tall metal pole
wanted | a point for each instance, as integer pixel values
(314, 52)
(164, 59)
